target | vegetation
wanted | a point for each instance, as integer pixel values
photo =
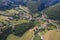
(52, 35)
(37, 37)
(26, 36)
(53, 12)
(21, 28)
(26, 22)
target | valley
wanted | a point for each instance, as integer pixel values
(30, 20)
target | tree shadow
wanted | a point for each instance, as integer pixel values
(20, 29)
(5, 33)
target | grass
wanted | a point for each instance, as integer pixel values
(37, 37)
(42, 21)
(43, 32)
(38, 23)
(20, 21)
(12, 37)
(27, 36)
(3, 18)
(52, 35)
(12, 11)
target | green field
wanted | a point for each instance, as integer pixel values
(37, 37)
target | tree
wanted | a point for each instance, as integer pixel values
(20, 29)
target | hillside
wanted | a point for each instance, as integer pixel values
(37, 5)
(53, 12)
(29, 19)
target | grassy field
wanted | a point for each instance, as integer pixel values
(20, 21)
(13, 37)
(27, 36)
(52, 35)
